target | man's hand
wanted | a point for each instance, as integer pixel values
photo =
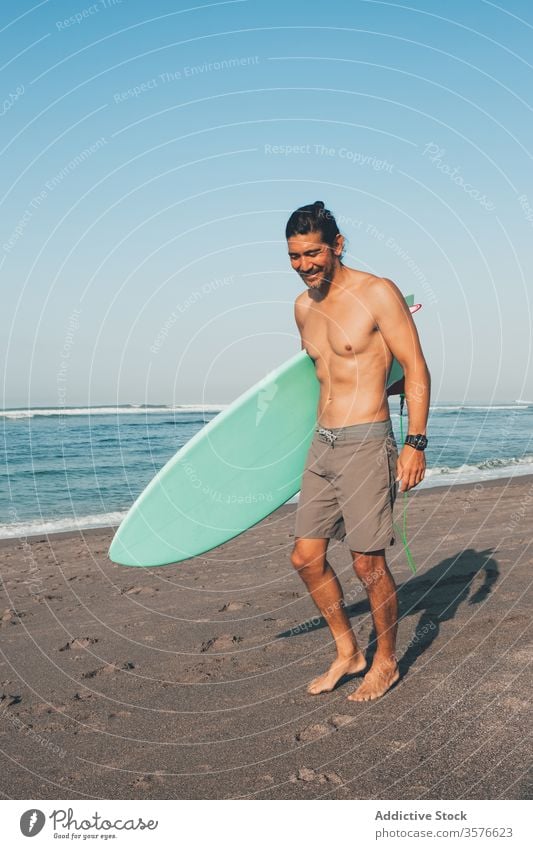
(410, 468)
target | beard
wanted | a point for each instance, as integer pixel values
(322, 278)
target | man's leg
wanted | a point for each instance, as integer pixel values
(372, 570)
(309, 559)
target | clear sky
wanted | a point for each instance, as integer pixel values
(152, 152)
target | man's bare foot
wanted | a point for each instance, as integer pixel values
(376, 682)
(340, 667)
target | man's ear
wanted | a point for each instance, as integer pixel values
(339, 246)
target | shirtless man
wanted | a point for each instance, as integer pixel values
(352, 324)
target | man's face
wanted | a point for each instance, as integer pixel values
(312, 258)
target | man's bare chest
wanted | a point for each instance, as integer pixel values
(342, 331)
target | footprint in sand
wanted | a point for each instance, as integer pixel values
(136, 590)
(93, 672)
(147, 782)
(79, 643)
(340, 719)
(307, 775)
(118, 715)
(194, 675)
(82, 697)
(14, 699)
(43, 708)
(10, 616)
(312, 732)
(234, 605)
(109, 669)
(224, 642)
(321, 729)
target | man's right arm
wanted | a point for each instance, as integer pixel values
(300, 310)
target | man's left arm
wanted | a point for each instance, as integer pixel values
(399, 331)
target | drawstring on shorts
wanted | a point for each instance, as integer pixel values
(328, 434)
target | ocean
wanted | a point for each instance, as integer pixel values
(76, 468)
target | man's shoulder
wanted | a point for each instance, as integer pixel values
(302, 301)
(381, 290)
(367, 282)
(379, 294)
(301, 307)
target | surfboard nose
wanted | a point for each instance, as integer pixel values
(118, 554)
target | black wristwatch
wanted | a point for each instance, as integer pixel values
(418, 441)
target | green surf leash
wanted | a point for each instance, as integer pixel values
(403, 532)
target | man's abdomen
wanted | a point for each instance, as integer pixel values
(352, 390)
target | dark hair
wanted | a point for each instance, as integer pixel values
(313, 218)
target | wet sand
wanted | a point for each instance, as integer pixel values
(189, 681)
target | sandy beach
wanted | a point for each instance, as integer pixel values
(189, 681)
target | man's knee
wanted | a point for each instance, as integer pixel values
(369, 566)
(309, 556)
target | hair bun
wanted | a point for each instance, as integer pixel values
(313, 218)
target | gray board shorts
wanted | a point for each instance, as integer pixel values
(348, 486)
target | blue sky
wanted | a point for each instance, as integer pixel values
(151, 154)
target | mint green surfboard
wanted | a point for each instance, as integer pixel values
(238, 469)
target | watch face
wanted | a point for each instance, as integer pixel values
(417, 441)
